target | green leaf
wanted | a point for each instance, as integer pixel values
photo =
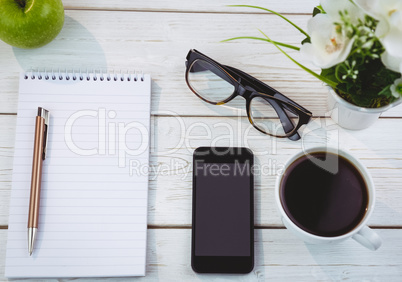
(306, 40)
(323, 79)
(316, 11)
(329, 74)
(275, 13)
(386, 92)
(263, 39)
(371, 87)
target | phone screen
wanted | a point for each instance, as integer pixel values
(223, 210)
(222, 215)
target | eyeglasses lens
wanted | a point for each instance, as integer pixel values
(209, 82)
(266, 118)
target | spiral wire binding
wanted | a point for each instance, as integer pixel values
(87, 75)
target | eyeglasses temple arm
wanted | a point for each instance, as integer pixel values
(262, 87)
(238, 74)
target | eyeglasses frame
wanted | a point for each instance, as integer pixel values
(249, 87)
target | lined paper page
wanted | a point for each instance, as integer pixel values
(93, 209)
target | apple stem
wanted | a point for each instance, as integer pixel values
(21, 3)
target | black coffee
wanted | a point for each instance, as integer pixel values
(320, 202)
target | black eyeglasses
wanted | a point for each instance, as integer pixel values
(268, 111)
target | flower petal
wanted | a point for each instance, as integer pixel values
(391, 62)
(396, 88)
(386, 11)
(328, 47)
(321, 24)
(317, 58)
(370, 7)
(321, 58)
(392, 41)
(332, 8)
(382, 28)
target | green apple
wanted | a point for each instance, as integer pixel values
(30, 23)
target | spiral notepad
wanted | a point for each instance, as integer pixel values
(93, 215)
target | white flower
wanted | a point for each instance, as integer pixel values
(396, 88)
(386, 11)
(392, 62)
(332, 8)
(330, 44)
(389, 29)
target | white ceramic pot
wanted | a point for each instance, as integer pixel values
(352, 117)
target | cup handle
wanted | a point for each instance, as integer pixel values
(368, 238)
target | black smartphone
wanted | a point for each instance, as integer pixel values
(223, 210)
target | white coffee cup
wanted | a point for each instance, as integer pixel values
(361, 232)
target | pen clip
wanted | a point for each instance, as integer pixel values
(45, 115)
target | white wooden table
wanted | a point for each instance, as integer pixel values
(155, 36)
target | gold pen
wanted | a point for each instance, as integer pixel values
(39, 154)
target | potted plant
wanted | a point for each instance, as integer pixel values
(358, 47)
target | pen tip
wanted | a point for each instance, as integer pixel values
(31, 239)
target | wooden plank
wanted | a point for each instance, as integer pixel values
(278, 256)
(175, 138)
(158, 43)
(206, 6)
